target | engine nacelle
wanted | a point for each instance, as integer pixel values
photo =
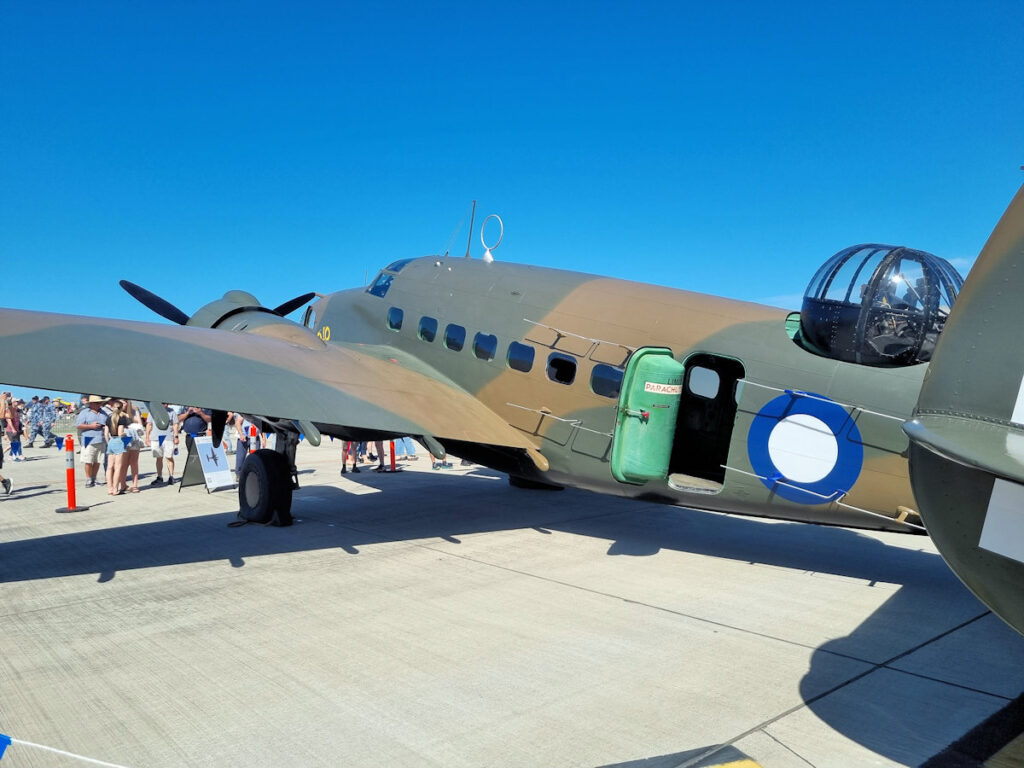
(241, 311)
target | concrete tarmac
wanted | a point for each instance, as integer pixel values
(443, 618)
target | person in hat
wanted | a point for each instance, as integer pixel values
(90, 423)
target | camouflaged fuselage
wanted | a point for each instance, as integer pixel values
(588, 322)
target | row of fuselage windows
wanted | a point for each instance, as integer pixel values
(605, 380)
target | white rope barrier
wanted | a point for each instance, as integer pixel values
(10, 740)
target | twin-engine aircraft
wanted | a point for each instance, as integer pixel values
(893, 399)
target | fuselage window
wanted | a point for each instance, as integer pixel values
(606, 380)
(703, 382)
(395, 317)
(485, 346)
(309, 318)
(454, 337)
(381, 284)
(561, 368)
(520, 356)
(428, 328)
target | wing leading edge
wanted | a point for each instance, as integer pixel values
(373, 388)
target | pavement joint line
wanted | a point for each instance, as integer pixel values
(681, 614)
(639, 603)
(785, 746)
(947, 682)
(785, 713)
(939, 636)
(875, 666)
(830, 691)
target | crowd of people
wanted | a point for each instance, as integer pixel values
(405, 450)
(23, 422)
(113, 431)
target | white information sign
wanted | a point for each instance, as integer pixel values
(216, 470)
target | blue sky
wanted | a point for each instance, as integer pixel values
(727, 148)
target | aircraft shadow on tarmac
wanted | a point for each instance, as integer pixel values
(899, 711)
(332, 517)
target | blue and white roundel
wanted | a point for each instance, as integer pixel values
(808, 442)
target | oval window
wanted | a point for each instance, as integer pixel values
(428, 328)
(395, 316)
(454, 337)
(485, 346)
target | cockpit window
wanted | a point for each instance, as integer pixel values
(396, 266)
(381, 284)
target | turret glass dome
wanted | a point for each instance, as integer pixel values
(880, 305)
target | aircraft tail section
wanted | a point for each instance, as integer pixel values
(967, 434)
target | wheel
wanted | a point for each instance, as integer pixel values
(265, 488)
(283, 490)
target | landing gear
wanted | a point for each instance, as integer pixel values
(265, 488)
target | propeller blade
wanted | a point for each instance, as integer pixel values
(290, 306)
(162, 307)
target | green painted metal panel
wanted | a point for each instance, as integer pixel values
(646, 421)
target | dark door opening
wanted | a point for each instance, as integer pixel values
(707, 413)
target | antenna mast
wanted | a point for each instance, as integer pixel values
(472, 217)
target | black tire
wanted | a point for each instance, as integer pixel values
(265, 488)
(282, 490)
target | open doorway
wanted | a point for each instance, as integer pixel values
(707, 413)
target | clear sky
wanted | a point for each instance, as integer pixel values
(727, 148)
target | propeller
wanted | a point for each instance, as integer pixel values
(290, 306)
(167, 310)
(162, 307)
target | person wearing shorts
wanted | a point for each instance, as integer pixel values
(163, 442)
(90, 423)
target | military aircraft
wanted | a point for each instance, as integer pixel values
(885, 400)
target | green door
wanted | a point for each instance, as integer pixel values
(645, 427)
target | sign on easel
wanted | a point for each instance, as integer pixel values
(206, 463)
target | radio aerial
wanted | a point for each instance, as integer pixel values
(488, 256)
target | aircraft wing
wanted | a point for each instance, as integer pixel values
(343, 384)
